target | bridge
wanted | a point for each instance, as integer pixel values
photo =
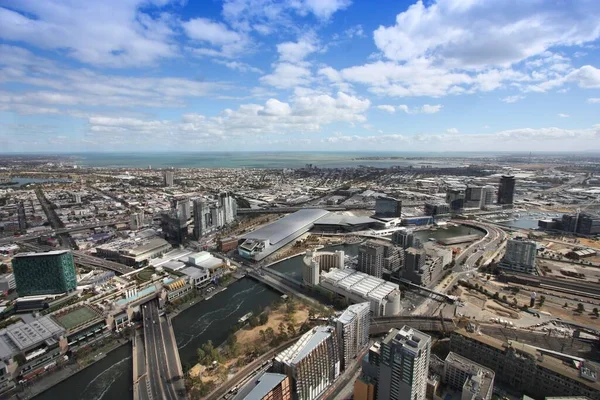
(157, 368)
(381, 325)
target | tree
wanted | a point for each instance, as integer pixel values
(291, 330)
(311, 313)
(542, 300)
(253, 321)
(270, 333)
(566, 305)
(595, 311)
(3, 268)
(282, 329)
(496, 295)
(514, 300)
(504, 298)
(20, 359)
(263, 336)
(580, 308)
(231, 340)
(263, 318)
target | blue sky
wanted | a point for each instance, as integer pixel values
(160, 75)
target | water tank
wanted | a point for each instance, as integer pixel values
(393, 306)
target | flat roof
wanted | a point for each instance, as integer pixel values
(359, 283)
(46, 253)
(350, 312)
(284, 227)
(344, 220)
(260, 387)
(305, 345)
(21, 336)
(76, 316)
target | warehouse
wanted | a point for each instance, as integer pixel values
(266, 240)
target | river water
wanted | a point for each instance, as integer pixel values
(111, 378)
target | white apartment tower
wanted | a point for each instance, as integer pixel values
(352, 328)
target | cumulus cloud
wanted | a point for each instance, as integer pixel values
(424, 109)
(224, 41)
(105, 33)
(387, 108)
(475, 34)
(513, 99)
(563, 115)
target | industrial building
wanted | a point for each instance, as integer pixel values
(312, 363)
(352, 328)
(475, 381)
(397, 367)
(134, 251)
(357, 287)
(266, 386)
(52, 272)
(528, 369)
(519, 256)
(266, 240)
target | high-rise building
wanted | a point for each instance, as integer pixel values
(267, 386)
(414, 262)
(404, 365)
(227, 201)
(52, 272)
(312, 363)
(202, 218)
(352, 328)
(22, 217)
(519, 256)
(473, 196)
(475, 381)
(435, 208)
(582, 223)
(487, 196)
(168, 178)
(455, 199)
(137, 221)
(311, 272)
(506, 190)
(174, 228)
(388, 207)
(183, 208)
(406, 239)
(370, 258)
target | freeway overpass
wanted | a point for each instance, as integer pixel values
(381, 325)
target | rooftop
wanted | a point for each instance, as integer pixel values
(43, 254)
(305, 345)
(260, 387)
(408, 337)
(350, 312)
(21, 336)
(360, 283)
(284, 227)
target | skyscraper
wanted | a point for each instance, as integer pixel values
(137, 221)
(455, 199)
(487, 196)
(414, 261)
(312, 363)
(370, 258)
(473, 196)
(202, 218)
(519, 256)
(168, 178)
(352, 328)
(506, 190)
(310, 272)
(52, 272)
(403, 365)
(405, 239)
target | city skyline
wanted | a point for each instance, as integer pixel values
(304, 75)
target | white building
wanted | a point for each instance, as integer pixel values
(519, 256)
(352, 328)
(358, 287)
(475, 381)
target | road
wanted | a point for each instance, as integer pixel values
(162, 371)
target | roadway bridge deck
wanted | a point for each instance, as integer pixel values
(382, 325)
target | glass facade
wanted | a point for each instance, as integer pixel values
(44, 273)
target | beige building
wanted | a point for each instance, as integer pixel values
(475, 381)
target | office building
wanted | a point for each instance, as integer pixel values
(202, 218)
(506, 190)
(52, 272)
(267, 386)
(473, 196)
(264, 241)
(405, 239)
(352, 328)
(581, 223)
(137, 221)
(487, 196)
(312, 363)
(403, 365)
(436, 208)
(370, 258)
(455, 198)
(357, 287)
(174, 228)
(519, 256)
(388, 207)
(475, 381)
(414, 263)
(168, 178)
(183, 208)
(529, 370)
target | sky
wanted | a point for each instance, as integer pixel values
(299, 75)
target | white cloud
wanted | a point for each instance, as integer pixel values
(286, 76)
(322, 9)
(452, 130)
(108, 33)
(387, 108)
(303, 114)
(295, 52)
(225, 42)
(424, 109)
(474, 34)
(239, 66)
(513, 99)
(593, 100)
(563, 115)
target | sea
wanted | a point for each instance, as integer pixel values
(263, 159)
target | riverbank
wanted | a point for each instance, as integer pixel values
(46, 382)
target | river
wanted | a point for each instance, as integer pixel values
(111, 378)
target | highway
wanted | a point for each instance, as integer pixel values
(161, 362)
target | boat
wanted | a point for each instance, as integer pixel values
(245, 318)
